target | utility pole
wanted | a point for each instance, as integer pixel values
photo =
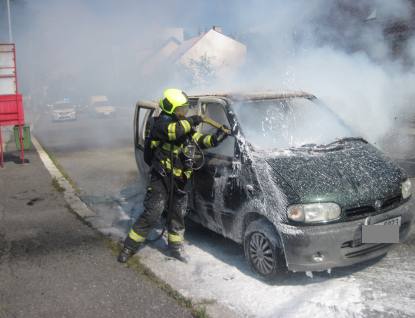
(10, 24)
(32, 78)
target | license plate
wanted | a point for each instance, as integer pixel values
(394, 221)
(107, 113)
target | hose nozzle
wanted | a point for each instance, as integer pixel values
(214, 124)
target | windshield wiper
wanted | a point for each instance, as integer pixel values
(345, 140)
(333, 146)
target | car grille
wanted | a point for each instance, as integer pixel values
(362, 211)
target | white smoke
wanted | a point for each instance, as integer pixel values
(326, 48)
(323, 47)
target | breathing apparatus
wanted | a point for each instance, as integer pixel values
(189, 151)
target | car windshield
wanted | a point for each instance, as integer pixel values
(62, 106)
(288, 123)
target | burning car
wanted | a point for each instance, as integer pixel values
(62, 110)
(292, 183)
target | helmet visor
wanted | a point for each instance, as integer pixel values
(181, 110)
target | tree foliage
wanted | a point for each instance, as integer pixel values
(202, 72)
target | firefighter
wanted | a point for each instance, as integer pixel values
(170, 129)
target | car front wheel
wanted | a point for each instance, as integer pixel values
(264, 252)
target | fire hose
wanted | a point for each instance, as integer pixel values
(214, 124)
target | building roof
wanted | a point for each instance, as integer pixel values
(184, 47)
(187, 45)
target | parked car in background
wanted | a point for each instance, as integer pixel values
(80, 105)
(292, 183)
(100, 107)
(63, 110)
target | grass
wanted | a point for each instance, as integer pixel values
(197, 309)
(61, 170)
(57, 186)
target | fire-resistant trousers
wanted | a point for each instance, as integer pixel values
(155, 201)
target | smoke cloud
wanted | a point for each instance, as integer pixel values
(333, 49)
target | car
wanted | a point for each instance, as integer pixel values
(62, 111)
(99, 107)
(293, 183)
(80, 106)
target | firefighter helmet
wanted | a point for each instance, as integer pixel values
(173, 98)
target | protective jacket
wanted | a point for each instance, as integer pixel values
(168, 132)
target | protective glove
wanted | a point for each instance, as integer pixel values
(219, 136)
(195, 120)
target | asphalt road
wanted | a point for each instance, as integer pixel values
(98, 156)
(54, 265)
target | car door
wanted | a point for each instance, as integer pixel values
(216, 188)
(143, 111)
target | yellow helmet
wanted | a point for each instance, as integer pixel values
(173, 98)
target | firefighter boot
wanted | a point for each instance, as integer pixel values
(177, 251)
(125, 255)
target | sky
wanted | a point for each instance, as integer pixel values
(91, 46)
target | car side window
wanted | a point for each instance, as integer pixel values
(217, 113)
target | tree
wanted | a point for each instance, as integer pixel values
(202, 72)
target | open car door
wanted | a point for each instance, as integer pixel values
(143, 111)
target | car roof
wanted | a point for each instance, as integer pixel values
(256, 96)
(250, 97)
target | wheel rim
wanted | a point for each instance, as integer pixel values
(261, 253)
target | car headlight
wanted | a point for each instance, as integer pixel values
(313, 212)
(406, 189)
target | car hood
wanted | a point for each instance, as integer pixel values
(350, 176)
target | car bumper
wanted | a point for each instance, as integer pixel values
(105, 114)
(64, 117)
(319, 248)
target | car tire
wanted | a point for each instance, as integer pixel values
(264, 252)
